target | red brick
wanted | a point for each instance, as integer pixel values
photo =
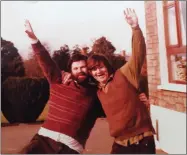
(155, 45)
(170, 106)
(151, 51)
(152, 57)
(150, 64)
(156, 82)
(162, 103)
(149, 41)
(152, 87)
(157, 101)
(147, 16)
(157, 73)
(154, 39)
(152, 71)
(150, 29)
(184, 101)
(182, 94)
(152, 101)
(150, 77)
(147, 11)
(174, 94)
(180, 108)
(168, 93)
(179, 100)
(151, 20)
(155, 62)
(155, 50)
(148, 4)
(153, 6)
(150, 47)
(171, 100)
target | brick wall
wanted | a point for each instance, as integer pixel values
(167, 99)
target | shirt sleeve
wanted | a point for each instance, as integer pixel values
(132, 68)
(48, 66)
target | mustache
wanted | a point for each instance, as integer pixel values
(81, 74)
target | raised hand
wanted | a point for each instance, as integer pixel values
(29, 30)
(131, 17)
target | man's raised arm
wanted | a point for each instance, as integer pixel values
(132, 68)
(48, 66)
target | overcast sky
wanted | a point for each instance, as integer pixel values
(69, 22)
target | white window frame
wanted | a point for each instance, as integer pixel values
(165, 85)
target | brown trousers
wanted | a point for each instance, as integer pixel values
(145, 146)
(44, 145)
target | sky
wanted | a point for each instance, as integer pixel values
(69, 22)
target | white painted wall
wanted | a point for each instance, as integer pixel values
(171, 129)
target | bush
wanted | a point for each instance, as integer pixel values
(32, 68)
(11, 61)
(61, 57)
(23, 99)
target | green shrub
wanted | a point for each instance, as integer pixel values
(23, 99)
(11, 61)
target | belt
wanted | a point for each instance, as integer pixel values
(133, 140)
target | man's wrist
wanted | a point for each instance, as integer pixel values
(135, 26)
(33, 41)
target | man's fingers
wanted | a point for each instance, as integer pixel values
(67, 81)
(130, 10)
(127, 11)
(67, 78)
(125, 14)
(134, 11)
(28, 25)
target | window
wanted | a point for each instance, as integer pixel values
(175, 35)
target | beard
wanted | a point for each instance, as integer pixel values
(80, 77)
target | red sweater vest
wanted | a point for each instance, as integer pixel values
(68, 106)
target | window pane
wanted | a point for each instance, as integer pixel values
(172, 26)
(178, 67)
(183, 20)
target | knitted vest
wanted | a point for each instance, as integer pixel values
(68, 105)
(126, 114)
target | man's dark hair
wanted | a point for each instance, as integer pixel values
(95, 60)
(74, 58)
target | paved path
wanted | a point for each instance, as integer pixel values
(16, 136)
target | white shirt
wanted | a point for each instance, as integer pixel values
(59, 137)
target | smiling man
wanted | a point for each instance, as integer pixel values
(129, 120)
(65, 124)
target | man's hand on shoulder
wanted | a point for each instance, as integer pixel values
(66, 78)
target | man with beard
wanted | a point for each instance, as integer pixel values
(68, 105)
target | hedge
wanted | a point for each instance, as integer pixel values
(23, 99)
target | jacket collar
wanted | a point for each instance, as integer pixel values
(102, 86)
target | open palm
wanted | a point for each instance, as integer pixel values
(29, 30)
(131, 17)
